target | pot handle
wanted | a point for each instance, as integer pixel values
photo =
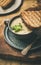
(6, 22)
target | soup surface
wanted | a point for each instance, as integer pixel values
(24, 29)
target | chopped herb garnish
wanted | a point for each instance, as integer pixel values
(17, 28)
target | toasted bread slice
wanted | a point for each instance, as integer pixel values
(4, 2)
(31, 18)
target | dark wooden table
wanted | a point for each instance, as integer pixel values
(9, 56)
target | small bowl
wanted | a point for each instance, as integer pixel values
(18, 36)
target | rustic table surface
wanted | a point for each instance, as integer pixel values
(7, 49)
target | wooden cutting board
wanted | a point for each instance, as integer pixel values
(6, 51)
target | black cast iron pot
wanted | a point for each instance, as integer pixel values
(28, 36)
